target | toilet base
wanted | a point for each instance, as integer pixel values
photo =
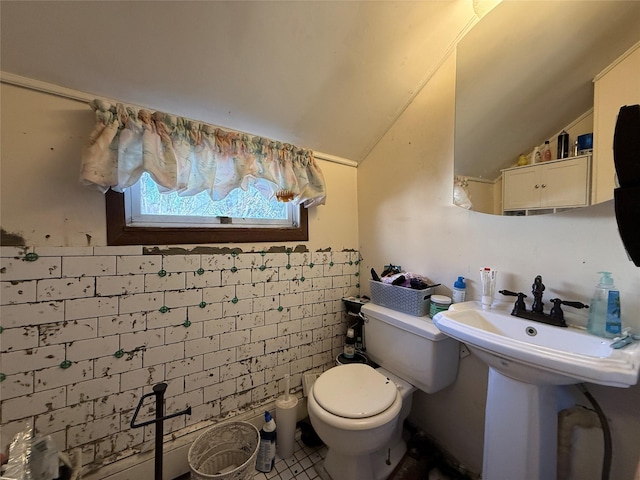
(372, 466)
(395, 455)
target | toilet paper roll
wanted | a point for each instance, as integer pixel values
(286, 408)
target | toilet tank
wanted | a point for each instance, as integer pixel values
(411, 347)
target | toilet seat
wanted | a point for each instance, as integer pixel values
(354, 391)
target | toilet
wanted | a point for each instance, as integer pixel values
(358, 411)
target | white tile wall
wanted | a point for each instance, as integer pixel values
(234, 325)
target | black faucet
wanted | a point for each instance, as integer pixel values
(555, 316)
(536, 290)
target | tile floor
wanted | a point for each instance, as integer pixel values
(422, 462)
(298, 467)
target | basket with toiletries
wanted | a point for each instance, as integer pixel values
(405, 292)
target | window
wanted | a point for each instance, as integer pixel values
(188, 156)
(144, 216)
(146, 206)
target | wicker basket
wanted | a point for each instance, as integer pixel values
(402, 299)
(226, 451)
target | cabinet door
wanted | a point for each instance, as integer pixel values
(565, 184)
(521, 188)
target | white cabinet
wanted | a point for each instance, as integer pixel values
(546, 186)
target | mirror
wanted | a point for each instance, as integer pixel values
(524, 73)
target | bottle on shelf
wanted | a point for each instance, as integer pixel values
(522, 160)
(536, 155)
(563, 145)
(546, 151)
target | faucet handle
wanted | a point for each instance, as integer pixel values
(556, 311)
(578, 305)
(509, 293)
(519, 306)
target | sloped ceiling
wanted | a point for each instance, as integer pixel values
(330, 76)
(526, 71)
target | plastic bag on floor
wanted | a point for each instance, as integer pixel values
(32, 459)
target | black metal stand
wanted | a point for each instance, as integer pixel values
(158, 391)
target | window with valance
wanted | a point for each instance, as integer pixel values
(186, 158)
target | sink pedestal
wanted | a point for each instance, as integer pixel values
(521, 424)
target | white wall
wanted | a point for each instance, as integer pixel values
(483, 196)
(43, 201)
(616, 86)
(414, 224)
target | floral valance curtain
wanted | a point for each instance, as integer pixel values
(190, 157)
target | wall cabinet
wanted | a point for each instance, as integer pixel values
(547, 186)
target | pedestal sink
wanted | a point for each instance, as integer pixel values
(527, 362)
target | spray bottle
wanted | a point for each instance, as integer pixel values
(267, 448)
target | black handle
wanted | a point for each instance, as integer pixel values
(556, 311)
(578, 305)
(519, 307)
(509, 293)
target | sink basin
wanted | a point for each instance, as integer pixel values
(528, 361)
(537, 353)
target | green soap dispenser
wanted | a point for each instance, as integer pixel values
(604, 309)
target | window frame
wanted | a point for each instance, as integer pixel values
(119, 233)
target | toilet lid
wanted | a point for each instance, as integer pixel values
(354, 391)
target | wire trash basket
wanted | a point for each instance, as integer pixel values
(226, 451)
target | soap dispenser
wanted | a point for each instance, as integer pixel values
(604, 309)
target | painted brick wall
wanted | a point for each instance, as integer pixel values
(221, 329)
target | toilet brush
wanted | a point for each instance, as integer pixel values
(286, 418)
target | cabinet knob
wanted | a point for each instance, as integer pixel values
(537, 186)
(543, 185)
